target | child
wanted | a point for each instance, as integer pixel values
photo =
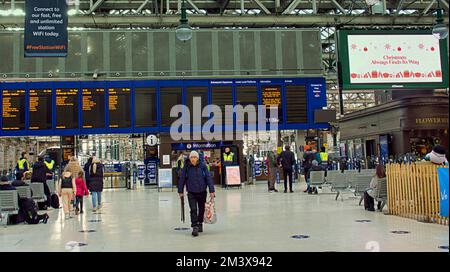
(66, 190)
(81, 191)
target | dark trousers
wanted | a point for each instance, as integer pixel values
(79, 203)
(197, 205)
(369, 203)
(287, 174)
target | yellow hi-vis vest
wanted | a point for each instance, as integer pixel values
(324, 156)
(21, 163)
(181, 163)
(228, 157)
(50, 164)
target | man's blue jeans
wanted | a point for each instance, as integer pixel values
(96, 196)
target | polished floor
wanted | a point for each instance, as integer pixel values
(249, 219)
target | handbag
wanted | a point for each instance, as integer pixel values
(210, 216)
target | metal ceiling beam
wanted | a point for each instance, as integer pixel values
(425, 11)
(194, 6)
(261, 6)
(141, 7)
(243, 20)
(444, 3)
(399, 6)
(338, 6)
(314, 6)
(291, 6)
(95, 6)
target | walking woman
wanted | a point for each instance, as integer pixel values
(67, 190)
(96, 183)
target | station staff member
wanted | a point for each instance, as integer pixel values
(228, 160)
(50, 165)
(22, 166)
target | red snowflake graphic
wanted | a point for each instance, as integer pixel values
(387, 46)
(432, 48)
(421, 46)
(365, 49)
(399, 49)
(354, 46)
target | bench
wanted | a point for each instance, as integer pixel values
(24, 191)
(51, 186)
(316, 178)
(339, 183)
(360, 183)
(38, 192)
(9, 204)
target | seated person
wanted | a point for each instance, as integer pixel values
(315, 167)
(372, 192)
(4, 184)
(26, 176)
(437, 156)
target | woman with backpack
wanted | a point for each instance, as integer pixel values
(66, 190)
(96, 183)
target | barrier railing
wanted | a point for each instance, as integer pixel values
(413, 192)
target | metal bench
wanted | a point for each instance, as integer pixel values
(316, 178)
(382, 193)
(339, 184)
(9, 204)
(331, 174)
(368, 171)
(360, 183)
(24, 191)
(51, 186)
(38, 192)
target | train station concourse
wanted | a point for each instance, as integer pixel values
(227, 126)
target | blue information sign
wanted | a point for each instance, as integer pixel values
(141, 174)
(45, 28)
(150, 172)
(443, 189)
(258, 171)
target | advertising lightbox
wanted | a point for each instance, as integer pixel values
(392, 60)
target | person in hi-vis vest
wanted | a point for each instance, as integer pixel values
(50, 165)
(22, 166)
(228, 160)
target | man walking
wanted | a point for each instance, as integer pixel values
(196, 177)
(287, 160)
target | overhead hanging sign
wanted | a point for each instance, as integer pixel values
(45, 28)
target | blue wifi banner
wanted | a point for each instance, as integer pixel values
(443, 188)
(45, 28)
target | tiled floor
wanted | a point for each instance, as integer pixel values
(250, 219)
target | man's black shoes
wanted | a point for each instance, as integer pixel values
(195, 231)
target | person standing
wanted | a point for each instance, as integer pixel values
(86, 168)
(308, 157)
(96, 183)
(80, 192)
(272, 166)
(73, 166)
(66, 190)
(228, 160)
(287, 160)
(196, 177)
(50, 165)
(40, 174)
(22, 166)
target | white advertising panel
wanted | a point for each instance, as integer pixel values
(394, 59)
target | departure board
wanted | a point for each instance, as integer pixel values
(119, 105)
(93, 108)
(296, 104)
(145, 107)
(40, 109)
(13, 110)
(66, 108)
(271, 97)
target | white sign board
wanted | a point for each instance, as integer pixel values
(152, 140)
(165, 178)
(394, 59)
(166, 159)
(233, 175)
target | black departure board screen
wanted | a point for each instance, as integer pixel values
(271, 97)
(145, 107)
(40, 109)
(246, 95)
(93, 107)
(296, 104)
(119, 107)
(170, 96)
(13, 110)
(223, 96)
(67, 108)
(200, 93)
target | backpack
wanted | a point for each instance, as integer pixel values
(28, 209)
(66, 182)
(55, 201)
